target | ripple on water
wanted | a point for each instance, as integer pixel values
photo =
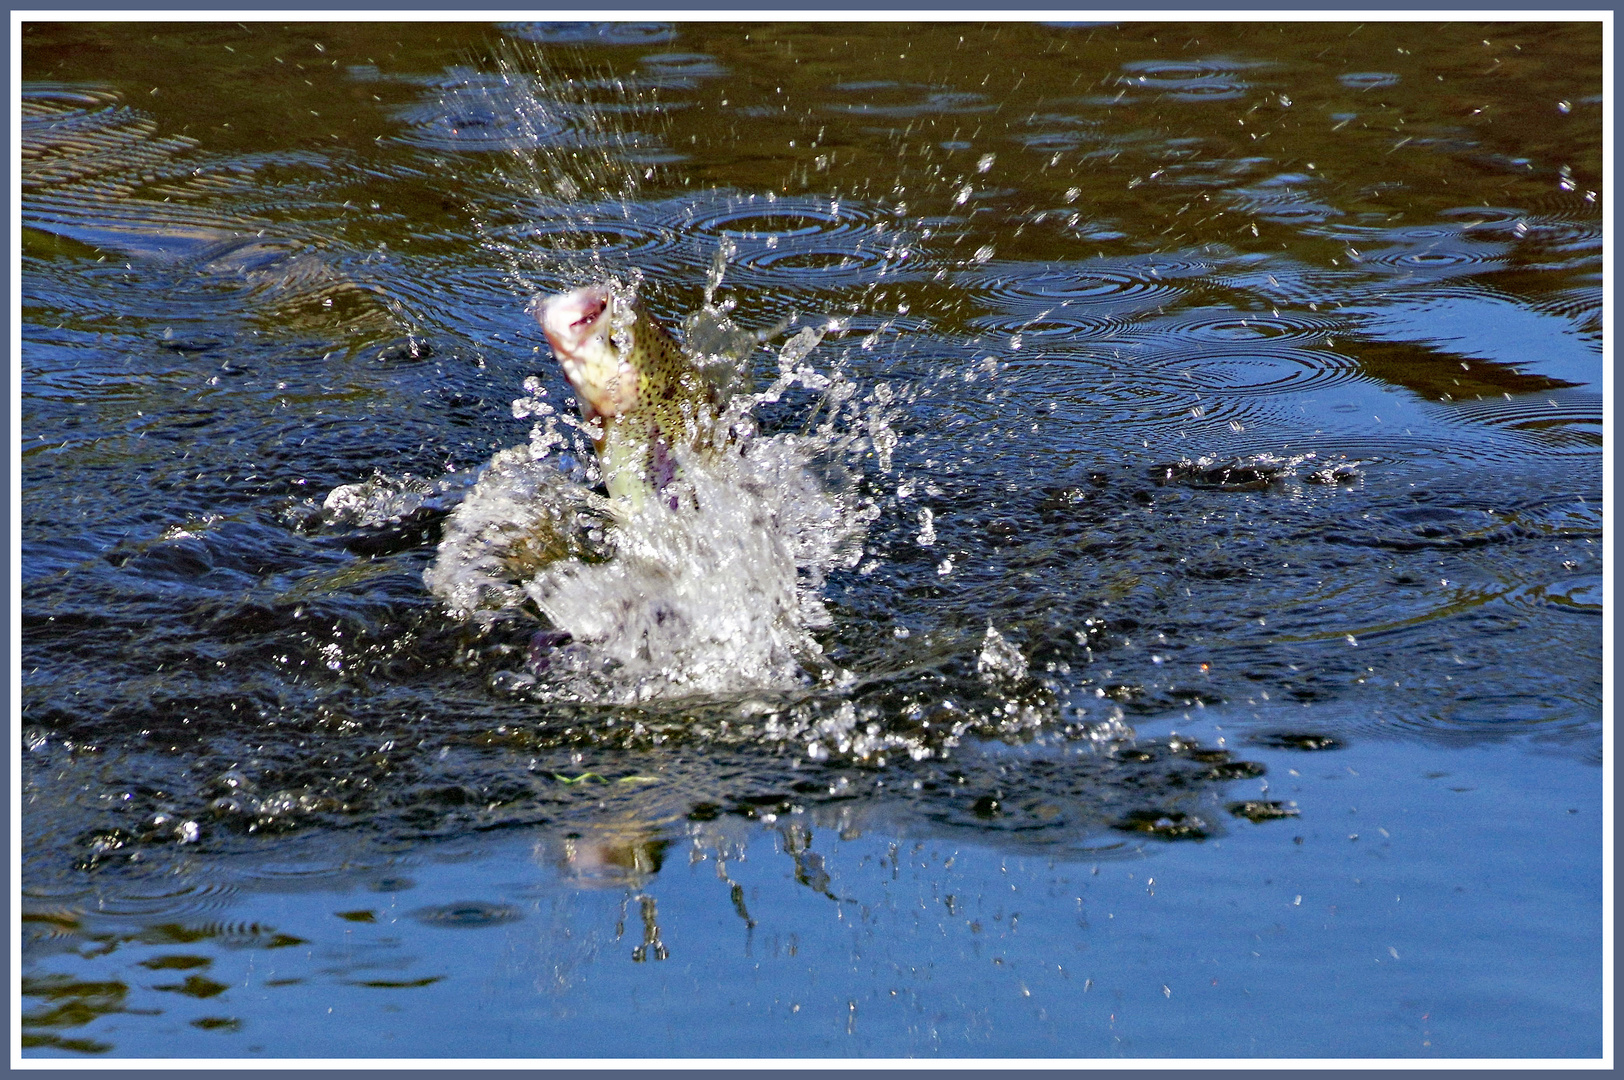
(192, 901)
(1367, 80)
(1060, 131)
(1581, 596)
(1581, 305)
(1089, 291)
(899, 100)
(74, 133)
(1269, 369)
(1063, 324)
(286, 876)
(677, 71)
(1445, 258)
(1202, 327)
(231, 935)
(1455, 521)
(1225, 372)
(468, 915)
(1475, 713)
(1103, 389)
(754, 216)
(1220, 372)
(1440, 250)
(98, 172)
(1556, 233)
(475, 110)
(1233, 327)
(1207, 79)
(817, 242)
(51, 920)
(1546, 243)
(590, 33)
(1563, 422)
(619, 236)
(1284, 199)
(86, 159)
(1288, 285)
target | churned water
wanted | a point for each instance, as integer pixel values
(1150, 603)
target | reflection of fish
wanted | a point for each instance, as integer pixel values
(613, 856)
(642, 397)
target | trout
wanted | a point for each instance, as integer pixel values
(642, 397)
(645, 401)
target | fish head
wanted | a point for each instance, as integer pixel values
(590, 331)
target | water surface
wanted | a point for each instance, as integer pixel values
(1185, 544)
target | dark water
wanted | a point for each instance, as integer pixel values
(1251, 376)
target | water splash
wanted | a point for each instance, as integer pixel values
(715, 588)
(1000, 660)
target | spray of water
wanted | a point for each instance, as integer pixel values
(713, 588)
(717, 588)
(580, 145)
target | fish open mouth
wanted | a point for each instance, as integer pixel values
(591, 308)
(569, 320)
(577, 326)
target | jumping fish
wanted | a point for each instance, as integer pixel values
(642, 397)
(648, 403)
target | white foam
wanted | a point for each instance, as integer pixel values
(521, 494)
(715, 587)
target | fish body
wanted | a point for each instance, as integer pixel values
(642, 397)
(648, 404)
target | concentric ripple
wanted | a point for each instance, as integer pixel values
(1434, 251)
(678, 71)
(1062, 323)
(753, 217)
(1563, 423)
(628, 237)
(1443, 258)
(1284, 199)
(1238, 396)
(796, 239)
(1540, 241)
(1115, 287)
(1547, 243)
(1228, 326)
(1212, 79)
(482, 111)
(191, 903)
(1273, 370)
(468, 915)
